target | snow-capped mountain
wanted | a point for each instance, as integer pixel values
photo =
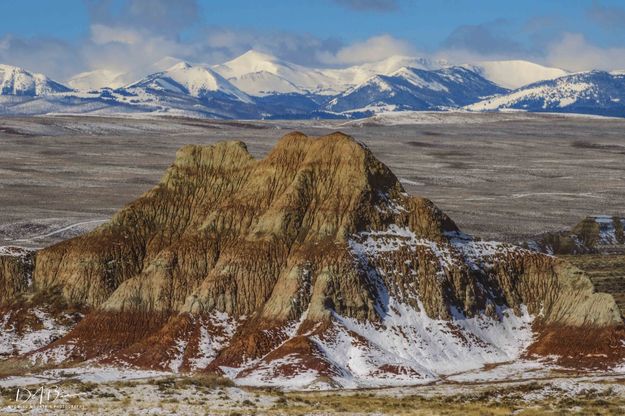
(264, 83)
(594, 92)
(183, 89)
(416, 89)
(515, 73)
(261, 74)
(17, 81)
(195, 81)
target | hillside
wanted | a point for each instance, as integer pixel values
(416, 89)
(594, 92)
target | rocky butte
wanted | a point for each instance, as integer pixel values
(311, 267)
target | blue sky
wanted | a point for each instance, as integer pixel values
(46, 36)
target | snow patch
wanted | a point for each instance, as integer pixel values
(14, 342)
(210, 344)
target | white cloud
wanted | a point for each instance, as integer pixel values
(102, 34)
(574, 53)
(123, 50)
(53, 57)
(373, 49)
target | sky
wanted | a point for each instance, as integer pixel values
(64, 37)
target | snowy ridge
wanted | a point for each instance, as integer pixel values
(209, 344)
(195, 81)
(415, 89)
(260, 74)
(594, 92)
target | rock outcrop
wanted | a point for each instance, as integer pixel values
(314, 266)
(594, 234)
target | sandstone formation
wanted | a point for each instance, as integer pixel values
(311, 265)
(594, 234)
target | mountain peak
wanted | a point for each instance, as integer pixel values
(6, 67)
(253, 54)
(197, 81)
(18, 81)
(182, 65)
(249, 62)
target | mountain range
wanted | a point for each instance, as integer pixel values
(256, 85)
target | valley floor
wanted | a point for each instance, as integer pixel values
(60, 176)
(555, 393)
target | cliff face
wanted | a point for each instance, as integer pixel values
(311, 264)
(16, 270)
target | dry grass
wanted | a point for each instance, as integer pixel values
(489, 403)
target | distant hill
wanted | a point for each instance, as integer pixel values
(594, 92)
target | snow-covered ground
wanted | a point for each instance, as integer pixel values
(106, 391)
(406, 118)
(19, 342)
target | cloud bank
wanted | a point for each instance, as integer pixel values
(128, 36)
(373, 49)
(575, 53)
